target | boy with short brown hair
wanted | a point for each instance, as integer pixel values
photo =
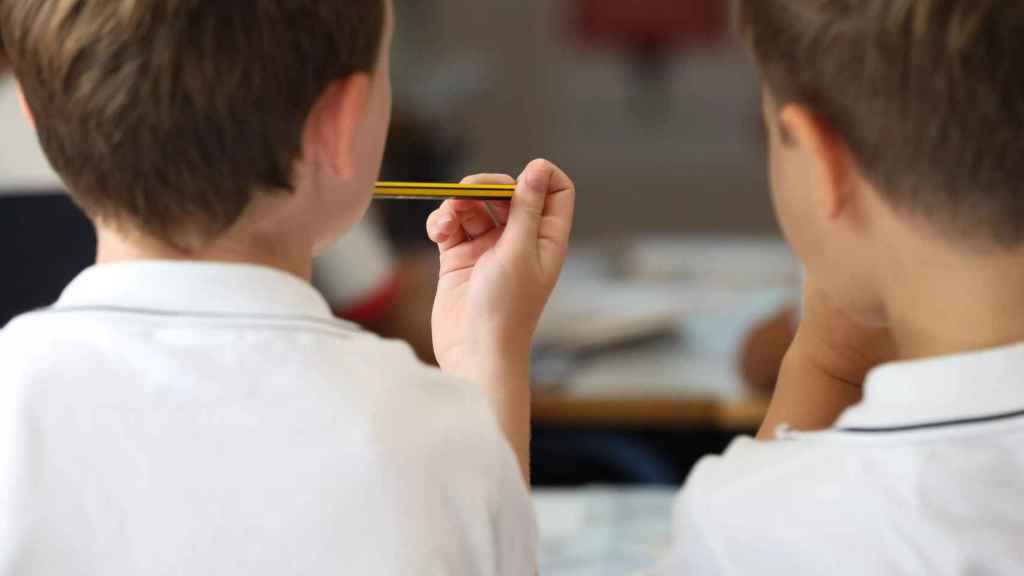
(224, 93)
(189, 405)
(896, 134)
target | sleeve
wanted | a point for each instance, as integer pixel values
(356, 274)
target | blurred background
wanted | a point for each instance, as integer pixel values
(652, 105)
(664, 337)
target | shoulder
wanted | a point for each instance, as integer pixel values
(380, 385)
(397, 370)
(426, 408)
(754, 479)
(754, 501)
(42, 356)
(442, 431)
(44, 335)
(447, 419)
(28, 340)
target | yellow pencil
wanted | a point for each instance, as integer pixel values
(430, 191)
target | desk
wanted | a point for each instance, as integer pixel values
(742, 414)
(714, 289)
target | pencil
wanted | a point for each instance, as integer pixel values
(430, 191)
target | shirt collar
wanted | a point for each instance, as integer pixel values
(191, 287)
(958, 388)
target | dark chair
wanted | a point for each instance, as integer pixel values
(45, 240)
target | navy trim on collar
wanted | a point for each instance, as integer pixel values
(931, 425)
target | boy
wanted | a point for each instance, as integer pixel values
(189, 405)
(896, 137)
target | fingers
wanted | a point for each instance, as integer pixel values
(542, 208)
(443, 228)
(458, 221)
(561, 200)
(544, 193)
(499, 210)
(463, 232)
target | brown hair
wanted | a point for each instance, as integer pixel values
(168, 116)
(926, 94)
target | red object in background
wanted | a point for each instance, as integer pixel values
(373, 306)
(646, 23)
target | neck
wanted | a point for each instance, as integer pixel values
(943, 301)
(239, 246)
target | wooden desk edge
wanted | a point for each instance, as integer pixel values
(650, 411)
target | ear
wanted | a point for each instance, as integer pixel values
(330, 132)
(25, 108)
(832, 166)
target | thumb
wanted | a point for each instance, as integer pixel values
(528, 202)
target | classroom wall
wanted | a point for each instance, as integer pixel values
(686, 158)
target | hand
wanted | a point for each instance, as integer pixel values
(824, 370)
(497, 270)
(497, 274)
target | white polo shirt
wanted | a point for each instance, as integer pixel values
(925, 476)
(188, 418)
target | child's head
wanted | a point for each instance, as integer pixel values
(176, 120)
(891, 116)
